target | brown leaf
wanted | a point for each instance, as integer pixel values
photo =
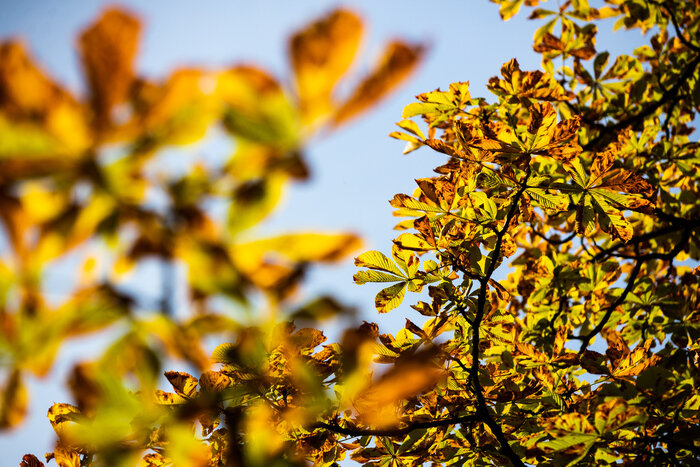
(214, 381)
(185, 385)
(397, 62)
(441, 146)
(422, 225)
(617, 348)
(308, 338)
(527, 84)
(84, 387)
(627, 182)
(109, 48)
(66, 456)
(541, 114)
(549, 43)
(30, 460)
(415, 329)
(60, 416)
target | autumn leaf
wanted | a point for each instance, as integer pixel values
(108, 49)
(13, 407)
(379, 404)
(320, 56)
(397, 62)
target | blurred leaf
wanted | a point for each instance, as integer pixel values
(13, 401)
(108, 49)
(397, 62)
(320, 56)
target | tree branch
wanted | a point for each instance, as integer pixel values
(611, 130)
(482, 408)
(396, 431)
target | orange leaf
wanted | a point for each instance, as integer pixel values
(320, 55)
(397, 62)
(108, 48)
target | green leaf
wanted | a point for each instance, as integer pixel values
(419, 108)
(407, 202)
(376, 260)
(362, 277)
(389, 298)
(555, 202)
(569, 440)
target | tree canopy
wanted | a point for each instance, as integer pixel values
(551, 261)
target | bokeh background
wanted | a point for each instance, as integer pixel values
(355, 170)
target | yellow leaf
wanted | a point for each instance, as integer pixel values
(167, 398)
(13, 401)
(185, 449)
(257, 109)
(263, 440)
(178, 111)
(65, 456)
(61, 415)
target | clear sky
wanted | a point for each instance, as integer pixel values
(356, 170)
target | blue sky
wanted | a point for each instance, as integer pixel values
(356, 170)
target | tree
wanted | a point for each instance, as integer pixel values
(584, 177)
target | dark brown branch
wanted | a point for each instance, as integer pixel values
(552, 241)
(676, 27)
(396, 431)
(482, 408)
(677, 224)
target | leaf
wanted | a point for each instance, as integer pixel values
(526, 85)
(256, 108)
(299, 247)
(66, 456)
(224, 353)
(421, 108)
(407, 202)
(377, 404)
(185, 385)
(308, 338)
(398, 61)
(29, 460)
(362, 277)
(411, 242)
(509, 8)
(13, 401)
(412, 127)
(320, 56)
(389, 298)
(168, 398)
(214, 381)
(108, 49)
(377, 260)
(61, 415)
(553, 201)
(569, 440)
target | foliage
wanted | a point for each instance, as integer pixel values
(100, 183)
(586, 177)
